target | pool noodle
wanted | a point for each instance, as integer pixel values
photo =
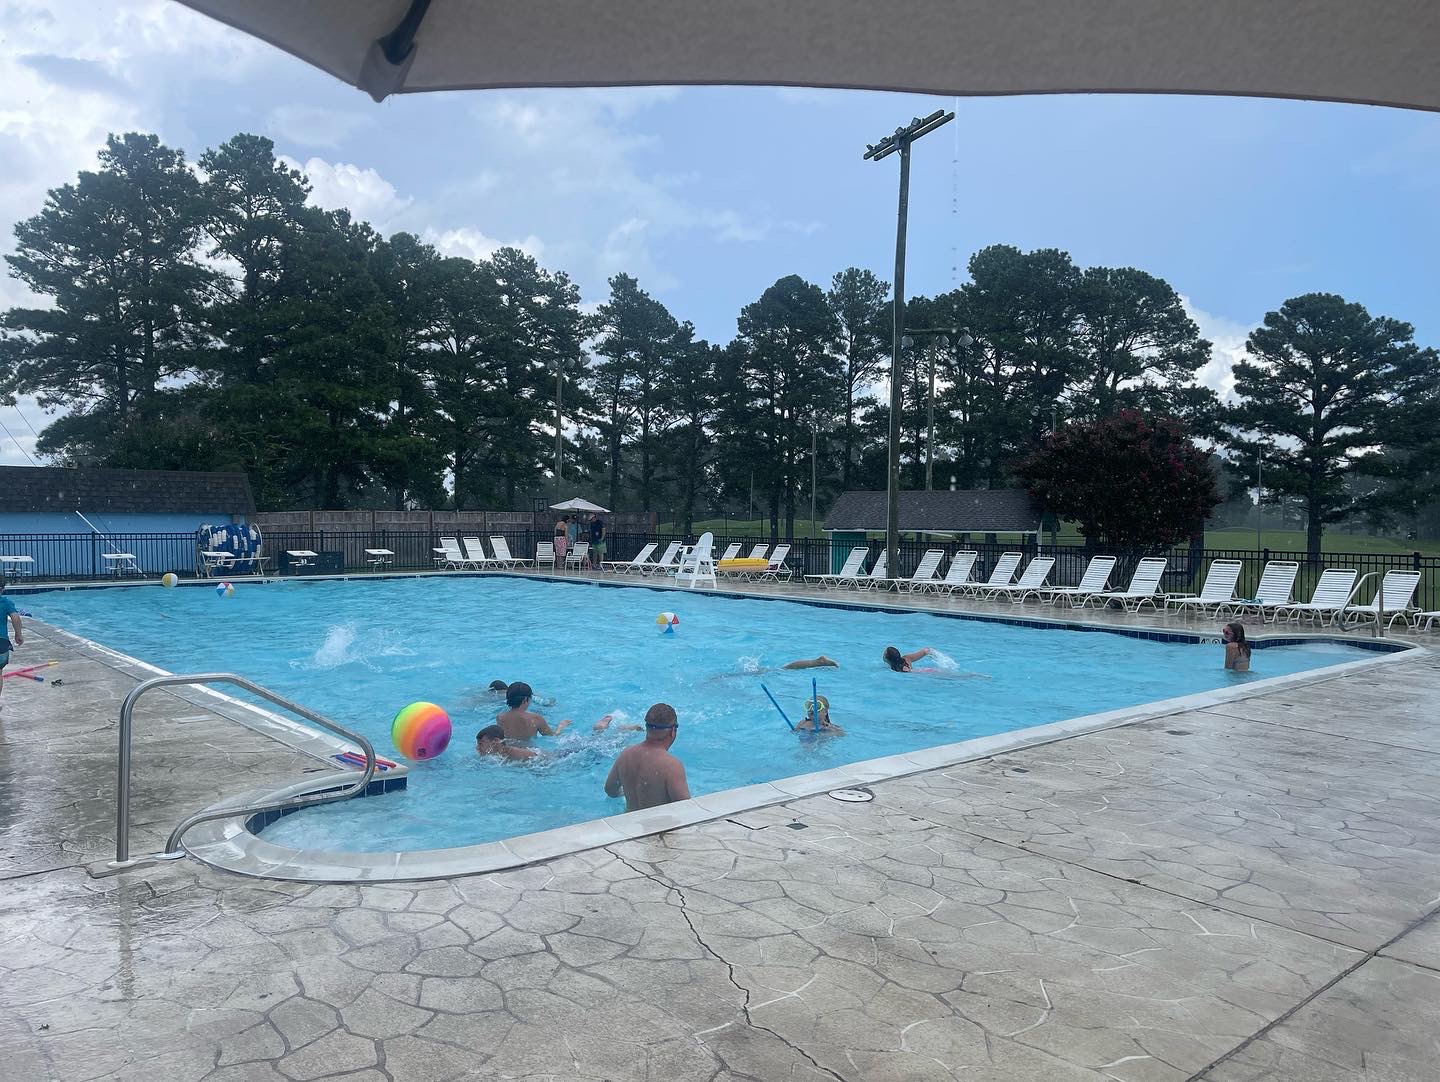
(815, 698)
(30, 670)
(777, 707)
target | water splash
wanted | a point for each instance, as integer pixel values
(749, 664)
(943, 661)
(342, 647)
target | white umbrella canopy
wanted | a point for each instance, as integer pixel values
(577, 504)
(1370, 51)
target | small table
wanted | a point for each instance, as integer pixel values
(15, 566)
(301, 558)
(117, 563)
(212, 562)
(379, 559)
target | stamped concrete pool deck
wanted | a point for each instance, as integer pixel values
(1245, 892)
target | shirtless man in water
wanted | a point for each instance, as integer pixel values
(647, 773)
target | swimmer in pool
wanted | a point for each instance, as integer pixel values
(491, 741)
(1237, 650)
(903, 662)
(826, 726)
(518, 721)
(821, 662)
(498, 687)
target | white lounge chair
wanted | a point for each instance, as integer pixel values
(1002, 574)
(545, 555)
(1217, 589)
(475, 553)
(1094, 581)
(924, 573)
(578, 557)
(1333, 591)
(1428, 619)
(957, 576)
(697, 567)
(1398, 589)
(1277, 582)
(877, 576)
(638, 563)
(1144, 586)
(448, 554)
(853, 567)
(732, 551)
(776, 571)
(502, 552)
(758, 552)
(666, 564)
(1031, 581)
(379, 559)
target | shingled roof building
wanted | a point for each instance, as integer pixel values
(992, 510)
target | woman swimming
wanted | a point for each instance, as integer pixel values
(903, 662)
(1237, 650)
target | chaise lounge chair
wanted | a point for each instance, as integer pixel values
(1092, 582)
(667, 562)
(448, 554)
(1144, 586)
(924, 574)
(1032, 581)
(957, 576)
(1217, 589)
(1002, 574)
(776, 570)
(1277, 582)
(638, 563)
(1333, 591)
(1398, 589)
(876, 578)
(852, 568)
(502, 553)
(475, 553)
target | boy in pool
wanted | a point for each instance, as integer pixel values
(518, 721)
(491, 741)
(826, 727)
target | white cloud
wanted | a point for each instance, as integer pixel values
(313, 126)
(1228, 341)
(364, 192)
(473, 244)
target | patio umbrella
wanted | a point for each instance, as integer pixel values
(1371, 51)
(577, 504)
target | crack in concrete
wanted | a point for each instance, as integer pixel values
(655, 877)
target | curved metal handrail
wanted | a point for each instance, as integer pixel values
(172, 844)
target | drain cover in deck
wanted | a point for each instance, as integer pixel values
(852, 796)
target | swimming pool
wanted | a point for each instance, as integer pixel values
(359, 650)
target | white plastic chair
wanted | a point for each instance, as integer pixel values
(877, 576)
(545, 555)
(924, 573)
(1398, 588)
(776, 570)
(1031, 581)
(1002, 574)
(502, 552)
(852, 568)
(578, 557)
(1277, 582)
(637, 563)
(1333, 591)
(475, 553)
(957, 575)
(1217, 589)
(666, 564)
(448, 554)
(1144, 586)
(1094, 581)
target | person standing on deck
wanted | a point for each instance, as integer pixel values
(597, 541)
(9, 618)
(562, 539)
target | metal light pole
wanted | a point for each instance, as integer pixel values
(899, 141)
(559, 425)
(814, 470)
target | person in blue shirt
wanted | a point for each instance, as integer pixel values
(9, 616)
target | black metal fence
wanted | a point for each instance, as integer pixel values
(80, 557)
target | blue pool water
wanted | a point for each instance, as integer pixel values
(357, 651)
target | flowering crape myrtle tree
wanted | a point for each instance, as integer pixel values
(1131, 480)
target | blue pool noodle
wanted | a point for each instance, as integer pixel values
(815, 698)
(777, 707)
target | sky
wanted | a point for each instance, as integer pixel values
(708, 195)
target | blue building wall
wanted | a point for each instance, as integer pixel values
(63, 545)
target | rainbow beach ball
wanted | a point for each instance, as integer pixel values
(169, 580)
(224, 589)
(420, 731)
(666, 623)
